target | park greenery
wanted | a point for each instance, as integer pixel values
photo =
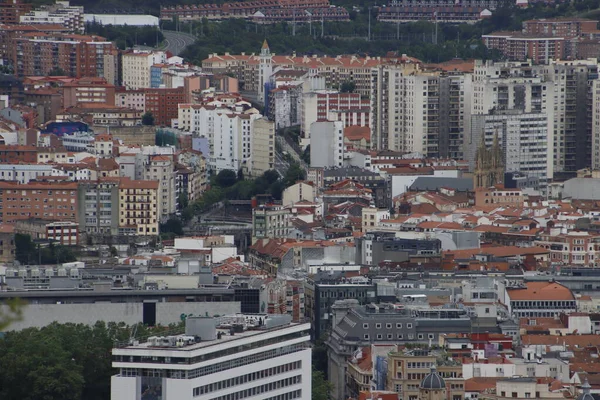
(63, 361)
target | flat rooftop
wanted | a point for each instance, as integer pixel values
(225, 338)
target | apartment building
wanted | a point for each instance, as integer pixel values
(330, 13)
(64, 233)
(46, 200)
(8, 33)
(355, 326)
(271, 361)
(573, 114)
(350, 108)
(102, 115)
(579, 248)
(414, 110)
(327, 144)
(518, 46)
(23, 173)
(134, 99)
(139, 207)
(161, 168)
(513, 102)
(238, 9)
(449, 14)
(262, 147)
(335, 70)
(522, 388)
(595, 140)
(98, 206)
(523, 138)
(163, 103)
(567, 27)
(60, 13)
(231, 136)
(406, 371)
(136, 67)
(285, 105)
(11, 11)
(88, 90)
(270, 221)
(38, 54)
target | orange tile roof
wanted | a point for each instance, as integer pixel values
(127, 183)
(541, 291)
(480, 384)
(568, 340)
(355, 132)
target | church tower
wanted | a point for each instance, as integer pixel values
(265, 71)
(489, 165)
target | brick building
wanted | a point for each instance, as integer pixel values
(47, 200)
(162, 103)
(517, 46)
(11, 11)
(38, 53)
(565, 27)
(88, 90)
(16, 154)
(10, 32)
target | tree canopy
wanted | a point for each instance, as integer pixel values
(147, 118)
(28, 252)
(61, 361)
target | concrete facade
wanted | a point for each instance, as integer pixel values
(40, 315)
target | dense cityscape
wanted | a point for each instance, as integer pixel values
(299, 199)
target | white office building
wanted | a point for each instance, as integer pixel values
(266, 360)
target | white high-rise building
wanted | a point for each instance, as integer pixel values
(515, 101)
(413, 110)
(268, 361)
(327, 144)
(230, 132)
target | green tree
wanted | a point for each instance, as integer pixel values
(24, 248)
(173, 225)
(226, 178)
(13, 313)
(293, 174)
(147, 118)
(321, 387)
(348, 87)
(240, 174)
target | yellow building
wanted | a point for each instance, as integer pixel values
(139, 209)
(263, 147)
(406, 371)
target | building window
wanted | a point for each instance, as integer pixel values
(365, 326)
(366, 336)
(398, 326)
(378, 326)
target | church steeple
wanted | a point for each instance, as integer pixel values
(265, 50)
(489, 164)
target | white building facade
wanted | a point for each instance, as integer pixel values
(267, 364)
